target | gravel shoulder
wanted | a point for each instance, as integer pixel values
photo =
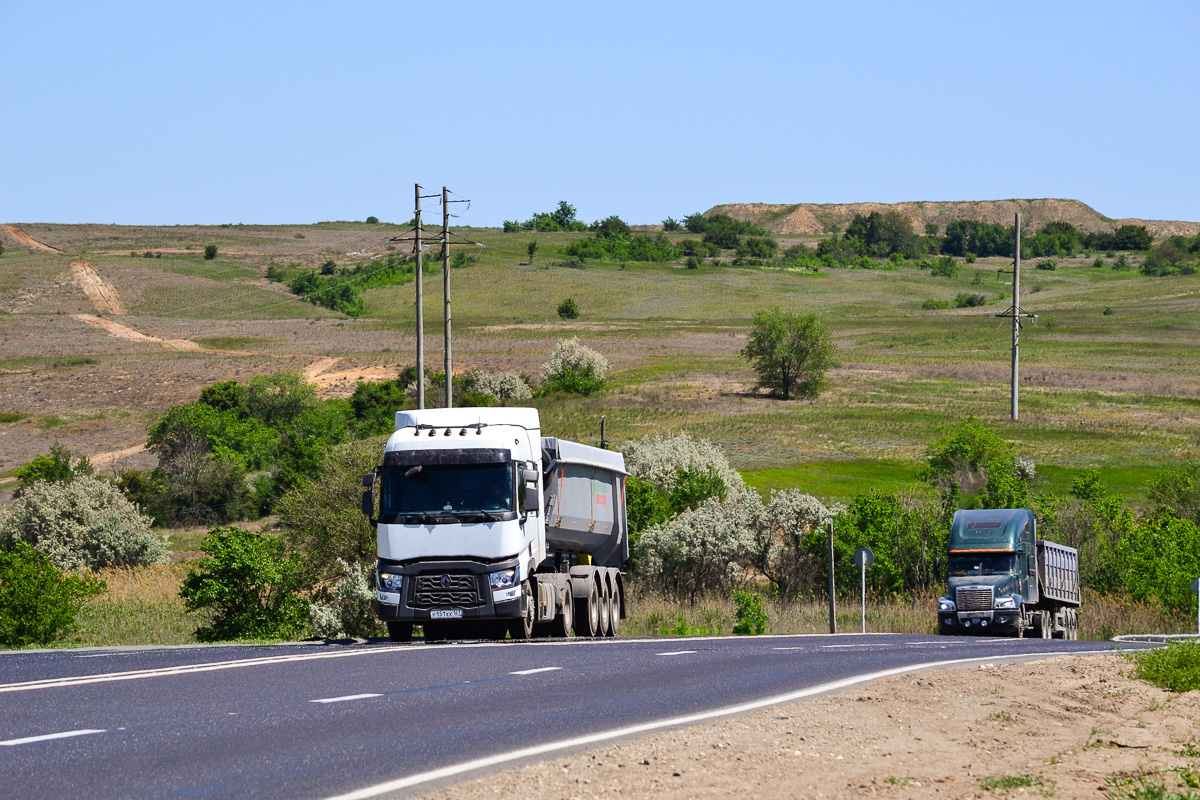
(1073, 725)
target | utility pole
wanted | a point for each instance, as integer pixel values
(420, 304)
(1016, 313)
(446, 291)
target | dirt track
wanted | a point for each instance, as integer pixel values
(122, 331)
(28, 241)
(102, 293)
(1069, 724)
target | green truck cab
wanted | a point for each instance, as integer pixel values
(1004, 581)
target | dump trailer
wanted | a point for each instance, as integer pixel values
(1004, 581)
(486, 529)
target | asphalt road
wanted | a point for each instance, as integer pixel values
(313, 721)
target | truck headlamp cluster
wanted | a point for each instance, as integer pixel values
(1007, 602)
(390, 581)
(505, 585)
(946, 604)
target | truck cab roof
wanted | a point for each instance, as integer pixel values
(991, 529)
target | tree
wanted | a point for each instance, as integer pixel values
(38, 603)
(568, 309)
(790, 352)
(372, 220)
(670, 224)
(972, 459)
(531, 248)
(210, 252)
(610, 228)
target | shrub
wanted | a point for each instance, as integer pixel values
(933, 305)
(751, 616)
(531, 248)
(574, 368)
(1108, 311)
(210, 252)
(1175, 667)
(328, 267)
(248, 585)
(504, 386)
(969, 300)
(790, 352)
(84, 523)
(372, 220)
(700, 550)
(779, 531)
(692, 262)
(971, 458)
(1098, 263)
(1049, 265)
(945, 267)
(568, 309)
(671, 225)
(970, 258)
(1122, 264)
(54, 468)
(322, 515)
(38, 603)
(348, 611)
(375, 403)
(663, 461)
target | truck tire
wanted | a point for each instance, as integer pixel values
(1047, 625)
(522, 629)
(400, 631)
(587, 612)
(614, 609)
(560, 626)
(605, 605)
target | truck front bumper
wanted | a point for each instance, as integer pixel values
(468, 594)
(999, 622)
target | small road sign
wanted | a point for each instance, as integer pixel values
(863, 557)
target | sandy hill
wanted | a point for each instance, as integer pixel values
(816, 218)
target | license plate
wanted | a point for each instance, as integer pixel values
(451, 613)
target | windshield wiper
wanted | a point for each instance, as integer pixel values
(490, 516)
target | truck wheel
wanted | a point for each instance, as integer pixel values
(605, 606)
(614, 610)
(400, 631)
(587, 612)
(522, 628)
(561, 624)
(1047, 625)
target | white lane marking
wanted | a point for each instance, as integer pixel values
(844, 646)
(691, 719)
(345, 698)
(212, 666)
(676, 653)
(48, 736)
(532, 671)
(789, 648)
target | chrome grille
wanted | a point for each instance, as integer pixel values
(446, 589)
(974, 599)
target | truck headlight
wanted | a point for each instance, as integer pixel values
(390, 581)
(505, 579)
(946, 604)
(1006, 602)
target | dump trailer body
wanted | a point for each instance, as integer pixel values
(585, 501)
(1058, 573)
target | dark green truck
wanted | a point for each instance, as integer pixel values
(1004, 581)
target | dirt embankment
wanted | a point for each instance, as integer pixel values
(103, 294)
(23, 239)
(814, 218)
(1064, 727)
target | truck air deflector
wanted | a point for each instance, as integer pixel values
(457, 455)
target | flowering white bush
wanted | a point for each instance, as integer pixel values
(569, 353)
(504, 386)
(350, 613)
(702, 549)
(83, 523)
(659, 459)
(779, 531)
(1025, 468)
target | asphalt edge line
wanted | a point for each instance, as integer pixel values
(645, 727)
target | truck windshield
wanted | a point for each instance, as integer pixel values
(447, 489)
(981, 565)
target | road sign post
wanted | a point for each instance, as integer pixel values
(864, 558)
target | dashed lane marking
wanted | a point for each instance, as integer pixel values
(48, 736)
(532, 671)
(677, 653)
(345, 698)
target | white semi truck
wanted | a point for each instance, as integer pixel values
(488, 530)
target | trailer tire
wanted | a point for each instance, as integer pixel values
(605, 605)
(400, 631)
(587, 612)
(561, 625)
(1047, 625)
(614, 609)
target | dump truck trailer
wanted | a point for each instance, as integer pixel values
(486, 529)
(1004, 581)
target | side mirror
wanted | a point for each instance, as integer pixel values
(368, 503)
(369, 480)
(530, 488)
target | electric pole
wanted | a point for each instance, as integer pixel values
(446, 291)
(1016, 313)
(420, 303)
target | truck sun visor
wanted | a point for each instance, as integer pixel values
(456, 455)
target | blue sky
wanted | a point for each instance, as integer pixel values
(264, 112)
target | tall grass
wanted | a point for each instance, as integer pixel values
(142, 606)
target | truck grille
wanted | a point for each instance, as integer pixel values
(446, 589)
(975, 599)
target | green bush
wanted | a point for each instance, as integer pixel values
(945, 267)
(210, 252)
(970, 460)
(84, 523)
(969, 300)
(692, 262)
(248, 586)
(38, 603)
(532, 249)
(347, 611)
(934, 305)
(574, 368)
(561, 218)
(55, 468)
(1049, 265)
(1175, 667)
(372, 220)
(790, 352)
(568, 309)
(670, 225)
(573, 380)
(751, 616)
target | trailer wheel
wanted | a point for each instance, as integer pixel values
(614, 609)
(400, 631)
(605, 605)
(561, 624)
(1047, 625)
(587, 612)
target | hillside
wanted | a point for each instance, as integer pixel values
(814, 219)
